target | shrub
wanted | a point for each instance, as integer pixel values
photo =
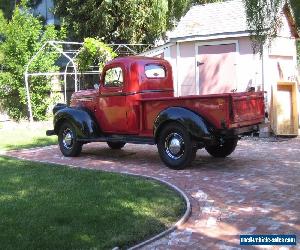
(22, 37)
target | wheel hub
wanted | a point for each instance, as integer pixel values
(174, 146)
(68, 138)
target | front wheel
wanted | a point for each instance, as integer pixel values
(176, 147)
(223, 148)
(68, 144)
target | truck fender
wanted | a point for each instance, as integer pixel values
(82, 120)
(194, 123)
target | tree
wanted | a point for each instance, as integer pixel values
(296, 9)
(117, 21)
(94, 52)
(8, 6)
(23, 35)
(264, 20)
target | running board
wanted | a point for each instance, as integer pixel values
(120, 138)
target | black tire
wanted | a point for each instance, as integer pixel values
(224, 148)
(116, 145)
(175, 146)
(68, 144)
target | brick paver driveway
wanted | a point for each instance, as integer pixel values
(254, 191)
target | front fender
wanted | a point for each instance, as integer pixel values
(194, 123)
(84, 123)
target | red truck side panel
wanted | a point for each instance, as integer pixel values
(214, 110)
(247, 108)
(223, 111)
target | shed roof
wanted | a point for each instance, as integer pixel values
(220, 19)
(212, 18)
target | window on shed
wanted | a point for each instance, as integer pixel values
(114, 77)
(155, 71)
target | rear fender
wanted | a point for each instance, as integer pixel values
(194, 123)
(84, 122)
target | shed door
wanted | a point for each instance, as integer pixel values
(216, 67)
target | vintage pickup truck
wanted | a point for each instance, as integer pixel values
(135, 103)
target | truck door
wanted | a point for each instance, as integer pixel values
(111, 112)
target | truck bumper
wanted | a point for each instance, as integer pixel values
(241, 131)
(50, 132)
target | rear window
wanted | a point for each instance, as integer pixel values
(155, 71)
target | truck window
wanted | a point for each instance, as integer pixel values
(114, 77)
(155, 71)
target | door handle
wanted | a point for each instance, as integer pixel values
(200, 63)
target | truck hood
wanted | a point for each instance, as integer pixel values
(83, 97)
(85, 94)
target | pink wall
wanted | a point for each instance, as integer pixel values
(217, 73)
(186, 67)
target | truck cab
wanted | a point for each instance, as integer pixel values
(124, 83)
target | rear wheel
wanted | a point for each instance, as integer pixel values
(176, 147)
(223, 148)
(116, 145)
(69, 146)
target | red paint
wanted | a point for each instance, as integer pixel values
(133, 108)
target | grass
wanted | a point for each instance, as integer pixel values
(25, 135)
(44, 206)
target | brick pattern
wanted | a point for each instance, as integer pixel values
(254, 191)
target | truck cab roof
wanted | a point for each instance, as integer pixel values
(142, 73)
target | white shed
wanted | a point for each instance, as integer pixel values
(210, 51)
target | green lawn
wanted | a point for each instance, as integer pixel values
(25, 135)
(45, 206)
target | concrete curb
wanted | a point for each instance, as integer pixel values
(180, 222)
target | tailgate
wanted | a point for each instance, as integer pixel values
(247, 108)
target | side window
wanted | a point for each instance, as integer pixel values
(155, 71)
(113, 77)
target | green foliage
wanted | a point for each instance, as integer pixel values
(8, 6)
(296, 9)
(264, 20)
(23, 35)
(117, 21)
(295, 4)
(94, 52)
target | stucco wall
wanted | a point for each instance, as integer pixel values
(248, 65)
(186, 67)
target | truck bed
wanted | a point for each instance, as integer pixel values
(223, 111)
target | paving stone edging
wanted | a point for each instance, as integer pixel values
(180, 222)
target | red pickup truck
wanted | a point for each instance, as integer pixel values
(135, 103)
